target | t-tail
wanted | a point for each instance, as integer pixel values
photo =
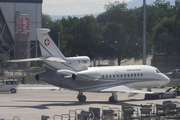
(47, 46)
(52, 56)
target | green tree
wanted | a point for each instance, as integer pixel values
(176, 29)
(86, 35)
(164, 29)
(163, 36)
(67, 34)
(120, 32)
(155, 13)
(56, 27)
(46, 20)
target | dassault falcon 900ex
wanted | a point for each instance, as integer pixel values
(73, 73)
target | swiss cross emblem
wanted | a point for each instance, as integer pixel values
(46, 42)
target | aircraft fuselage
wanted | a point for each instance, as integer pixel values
(136, 76)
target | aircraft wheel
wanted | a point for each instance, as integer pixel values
(13, 90)
(82, 98)
(112, 100)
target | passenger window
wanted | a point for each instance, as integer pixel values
(128, 75)
(106, 76)
(103, 76)
(138, 74)
(117, 76)
(121, 75)
(124, 75)
(134, 74)
(131, 75)
(109, 76)
(113, 76)
(141, 74)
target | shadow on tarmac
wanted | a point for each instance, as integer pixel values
(74, 103)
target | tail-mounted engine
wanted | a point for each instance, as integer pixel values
(82, 75)
(86, 75)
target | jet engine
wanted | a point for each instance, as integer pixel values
(82, 75)
(86, 75)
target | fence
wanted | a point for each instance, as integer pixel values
(175, 82)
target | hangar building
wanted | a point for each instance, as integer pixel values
(19, 20)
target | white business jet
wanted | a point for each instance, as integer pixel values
(73, 73)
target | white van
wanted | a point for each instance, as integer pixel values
(9, 85)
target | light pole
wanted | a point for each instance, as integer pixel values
(59, 40)
(144, 32)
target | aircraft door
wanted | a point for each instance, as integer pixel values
(117, 76)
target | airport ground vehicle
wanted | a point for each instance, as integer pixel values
(9, 85)
(169, 93)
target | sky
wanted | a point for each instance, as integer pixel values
(80, 8)
(75, 7)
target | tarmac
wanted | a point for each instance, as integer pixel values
(31, 104)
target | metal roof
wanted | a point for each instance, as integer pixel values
(22, 1)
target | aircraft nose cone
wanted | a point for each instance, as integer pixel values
(167, 80)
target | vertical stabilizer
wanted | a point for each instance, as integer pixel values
(47, 46)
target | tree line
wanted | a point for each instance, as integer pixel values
(118, 32)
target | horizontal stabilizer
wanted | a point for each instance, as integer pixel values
(25, 60)
(124, 89)
(57, 59)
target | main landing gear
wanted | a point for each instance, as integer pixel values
(113, 98)
(81, 97)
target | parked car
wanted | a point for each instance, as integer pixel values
(175, 73)
(8, 86)
(169, 93)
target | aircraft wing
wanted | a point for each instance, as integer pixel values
(124, 89)
(39, 88)
(38, 59)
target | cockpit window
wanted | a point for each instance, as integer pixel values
(158, 71)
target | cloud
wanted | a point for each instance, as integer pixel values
(74, 7)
